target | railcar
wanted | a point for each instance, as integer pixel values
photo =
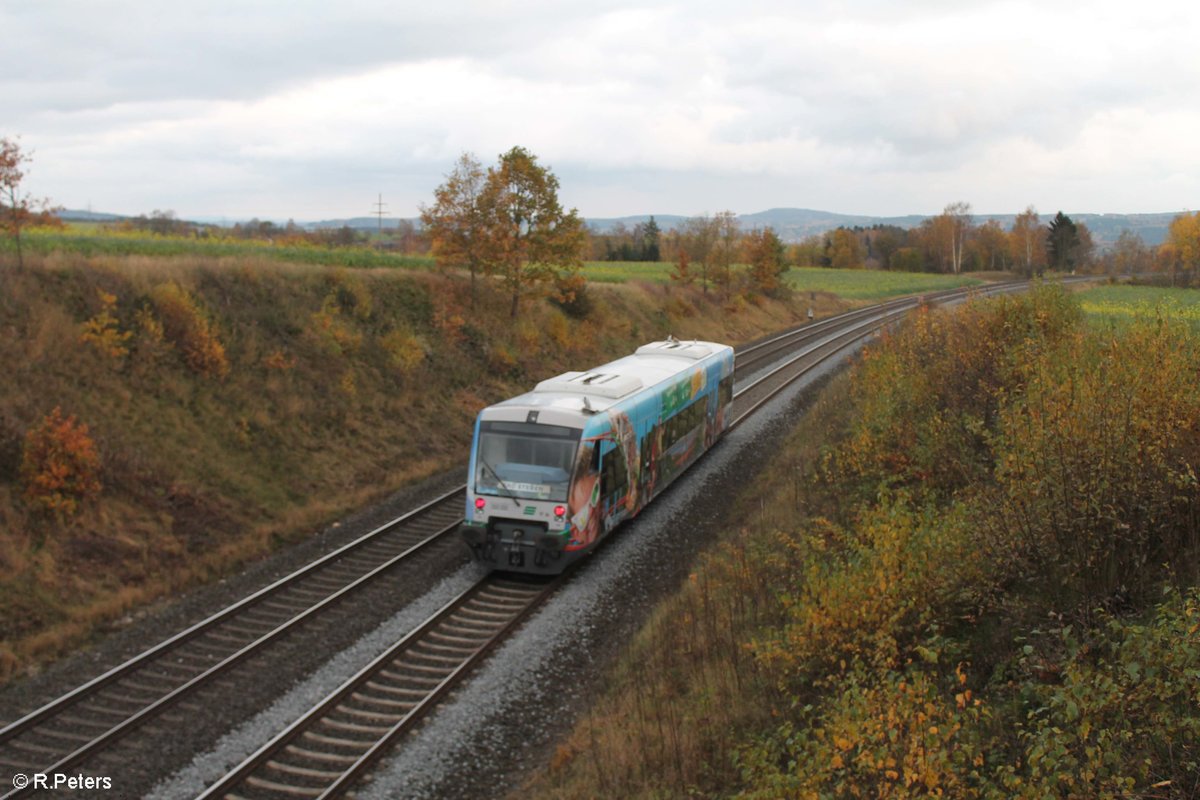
(553, 471)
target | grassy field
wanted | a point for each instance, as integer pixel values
(87, 241)
(1122, 304)
(851, 284)
(858, 284)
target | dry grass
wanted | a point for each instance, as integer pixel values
(674, 707)
(340, 387)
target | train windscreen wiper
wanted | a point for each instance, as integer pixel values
(510, 494)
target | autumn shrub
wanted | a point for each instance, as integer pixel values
(870, 597)
(1120, 716)
(404, 349)
(1054, 472)
(928, 396)
(905, 733)
(1096, 460)
(103, 332)
(190, 330)
(333, 329)
(60, 467)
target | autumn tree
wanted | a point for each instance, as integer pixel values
(886, 240)
(845, 250)
(17, 208)
(765, 253)
(528, 237)
(1027, 241)
(949, 231)
(1085, 251)
(808, 252)
(1183, 241)
(681, 272)
(456, 223)
(726, 238)
(1129, 255)
(1062, 243)
(699, 238)
(991, 245)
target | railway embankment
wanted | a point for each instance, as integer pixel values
(165, 421)
(971, 570)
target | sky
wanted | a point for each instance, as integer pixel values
(310, 110)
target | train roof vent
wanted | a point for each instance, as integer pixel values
(597, 384)
(672, 347)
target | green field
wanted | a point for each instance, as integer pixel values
(859, 284)
(86, 240)
(1122, 304)
(852, 284)
(89, 239)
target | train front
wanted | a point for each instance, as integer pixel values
(518, 514)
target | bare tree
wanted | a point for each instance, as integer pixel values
(1027, 241)
(959, 228)
(727, 232)
(699, 235)
(19, 208)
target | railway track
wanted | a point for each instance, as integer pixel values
(325, 751)
(66, 733)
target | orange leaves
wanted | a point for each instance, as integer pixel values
(59, 465)
(189, 329)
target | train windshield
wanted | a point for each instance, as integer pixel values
(525, 460)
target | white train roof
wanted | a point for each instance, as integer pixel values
(570, 398)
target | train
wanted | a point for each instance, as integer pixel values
(555, 470)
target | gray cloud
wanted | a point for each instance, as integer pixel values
(303, 109)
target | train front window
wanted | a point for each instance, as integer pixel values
(525, 460)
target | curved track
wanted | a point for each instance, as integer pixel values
(64, 734)
(324, 752)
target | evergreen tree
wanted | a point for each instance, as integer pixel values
(1062, 243)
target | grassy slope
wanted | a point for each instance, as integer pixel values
(341, 386)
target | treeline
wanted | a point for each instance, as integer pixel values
(953, 242)
(405, 237)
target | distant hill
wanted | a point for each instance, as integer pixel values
(793, 224)
(76, 215)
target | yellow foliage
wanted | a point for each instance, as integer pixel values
(187, 327)
(405, 351)
(332, 330)
(102, 332)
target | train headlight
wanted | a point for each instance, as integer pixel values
(480, 503)
(560, 511)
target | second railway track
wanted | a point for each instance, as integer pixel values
(66, 733)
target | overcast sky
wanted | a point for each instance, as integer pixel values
(310, 109)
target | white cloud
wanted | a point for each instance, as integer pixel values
(886, 107)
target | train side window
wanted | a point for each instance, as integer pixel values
(613, 474)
